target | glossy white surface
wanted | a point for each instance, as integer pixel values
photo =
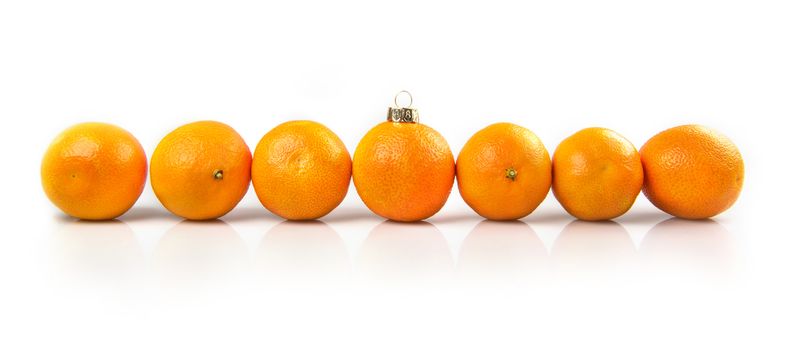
(151, 281)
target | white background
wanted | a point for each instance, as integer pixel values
(151, 282)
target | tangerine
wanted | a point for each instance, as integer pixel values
(301, 170)
(692, 171)
(403, 171)
(94, 171)
(201, 170)
(597, 174)
(503, 172)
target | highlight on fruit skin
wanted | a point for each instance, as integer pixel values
(201, 170)
(403, 171)
(692, 171)
(94, 171)
(301, 170)
(597, 174)
(504, 172)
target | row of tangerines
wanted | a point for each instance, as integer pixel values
(402, 170)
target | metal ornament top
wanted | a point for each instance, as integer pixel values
(401, 114)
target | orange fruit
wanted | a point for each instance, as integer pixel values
(200, 171)
(94, 171)
(691, 171)
(503, 172)
(597, 174)
(301, 170)
(403, 171)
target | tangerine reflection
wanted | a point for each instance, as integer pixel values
(595, 251)
(692, 250)
(506, 252)
(200, 252)
(302, 252)
(101, 252)
(405, 253)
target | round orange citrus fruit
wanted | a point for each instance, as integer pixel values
(597, 174)
(94, 171)
(200, 171)
(403, 171)
(692, 172)
(301, 170)
(503, 172)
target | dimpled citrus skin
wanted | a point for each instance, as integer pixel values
(94, 171)
(403, 171)
(597, 174)
(486, 160)
(301, 170)
(183, 167)
(692, 172)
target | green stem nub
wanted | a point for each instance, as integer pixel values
(511, 173)
(218, 174)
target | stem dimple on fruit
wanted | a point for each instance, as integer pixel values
(511, 174)
(218, 174)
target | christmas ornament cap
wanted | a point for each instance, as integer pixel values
(399, 114)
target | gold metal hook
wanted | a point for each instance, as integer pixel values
(400, 114)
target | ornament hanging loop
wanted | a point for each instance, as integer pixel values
(403, 92)
(399, 114)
